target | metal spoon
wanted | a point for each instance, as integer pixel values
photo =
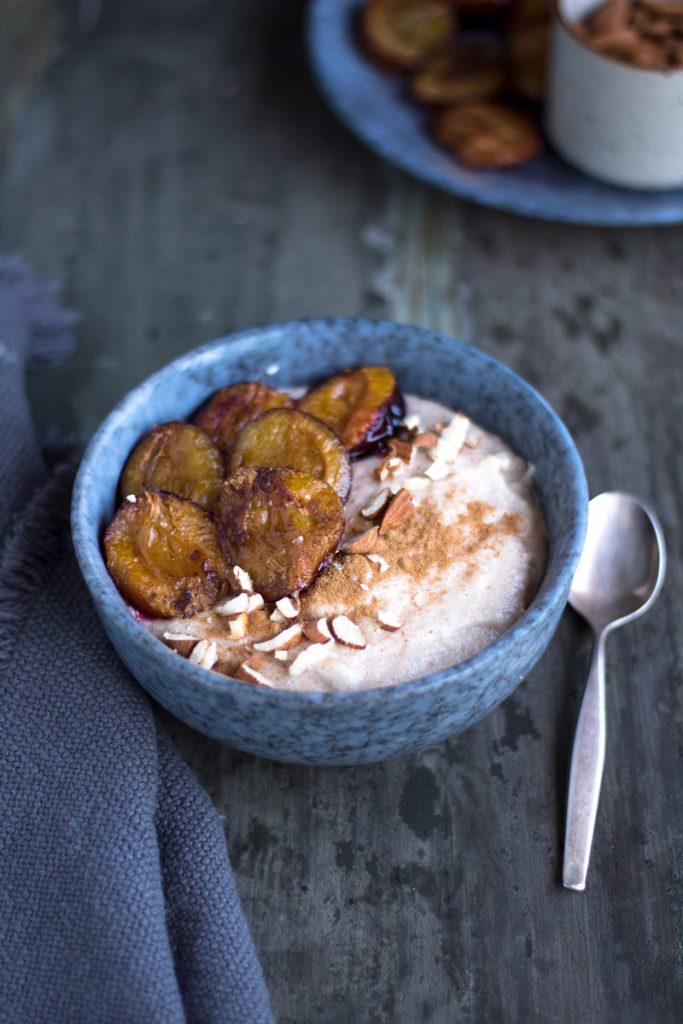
(619, 576)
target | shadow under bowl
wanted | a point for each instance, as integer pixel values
(367, 725)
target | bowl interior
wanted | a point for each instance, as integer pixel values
(300, 352)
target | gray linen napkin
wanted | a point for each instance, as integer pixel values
(117, 901)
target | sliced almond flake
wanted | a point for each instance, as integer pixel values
(251, 674)
(415, 484)
(239, 624)
(389, 621)
(289, 637)
(233, 605)
(178, 636)
(242, 578)
(347, 632)
(378, 560)
(310, 657)
(438, 470)
(289, 606)
(255, 602)
(205, 654)
(318, 632)
(131, 498)
(376, 503)
(277, 616)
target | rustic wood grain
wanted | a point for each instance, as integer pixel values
(179, 175)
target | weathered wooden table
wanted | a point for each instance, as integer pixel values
(179, 175)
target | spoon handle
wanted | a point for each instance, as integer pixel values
(585, 774)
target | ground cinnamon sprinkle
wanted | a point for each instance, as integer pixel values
(421, 546)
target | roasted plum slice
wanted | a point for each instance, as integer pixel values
(362, 406)
(288, 437)
(280, 525)
(226, 413)
(486, 136)
(178, 458)
(472, 69)
(163, 554)
(402, 33)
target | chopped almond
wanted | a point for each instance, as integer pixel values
(239, 624)
(375, 506)
(289, 606)
(277, 616)
(255, 602)
(183, 643)
(347, 632)
(310, 657)
(402, 450)
(400, 508)
(205, 654)
(438, 470)
(362, 543)
(233, 605)
(391, 466)
(251, 674)
(287, 638)
(282, 655)
(389, 621)
(242, 578)
(318, 631)
(426, 440)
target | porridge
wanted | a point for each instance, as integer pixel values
(314, 570)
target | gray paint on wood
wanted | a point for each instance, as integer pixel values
(181, 178)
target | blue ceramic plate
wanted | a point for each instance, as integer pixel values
(376, 106)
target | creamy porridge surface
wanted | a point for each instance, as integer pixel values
(454, 576)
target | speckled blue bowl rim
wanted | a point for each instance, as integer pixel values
(88, 552)
(375, 106)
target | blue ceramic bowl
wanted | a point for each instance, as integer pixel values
(371, 725)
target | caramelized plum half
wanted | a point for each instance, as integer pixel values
(163, 554)
(178, 458)
(280, 525)
(472, 69)
(225, 414)
(403, 32)
(287, 437)
(362, 406)
(486, 136)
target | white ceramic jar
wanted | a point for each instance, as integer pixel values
(620, 124)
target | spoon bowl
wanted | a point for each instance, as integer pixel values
(621, 569)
